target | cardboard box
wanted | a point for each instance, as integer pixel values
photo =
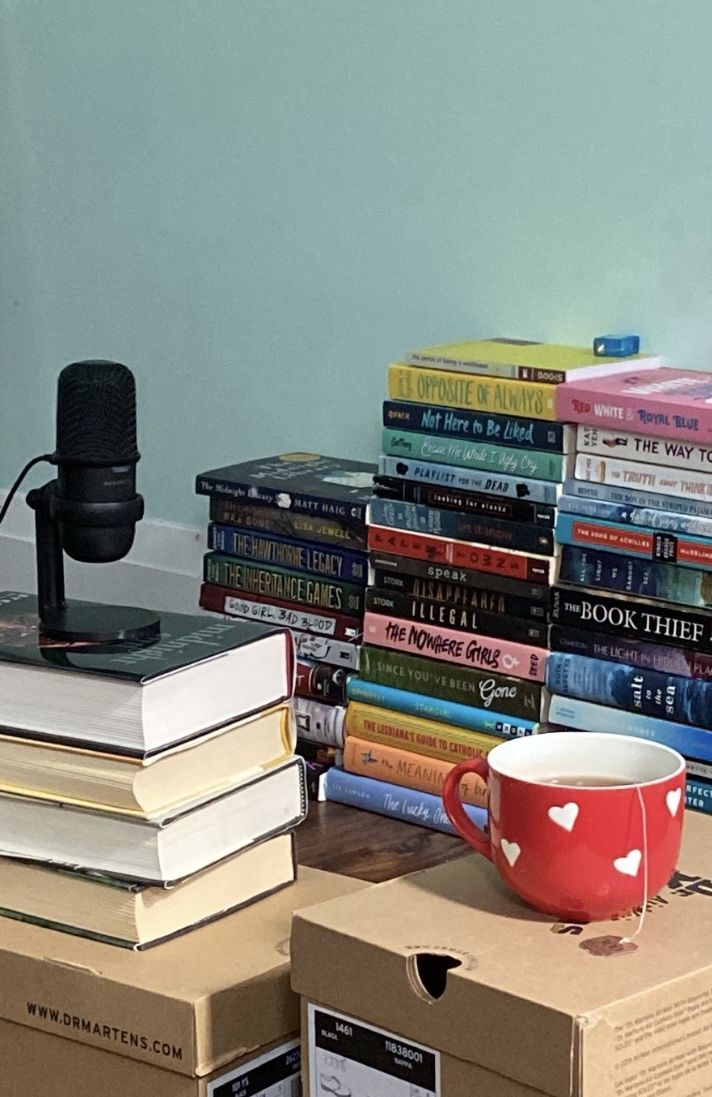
(162, 1022)
(476, 995)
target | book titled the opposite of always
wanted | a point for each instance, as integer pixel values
(473, 555)
(497, 532)
(414, 771)
(277, 611)
(417, 734)
(344, 533)
(637, 474)
(500, 430)
(480, 652)
(644, 447)
(326, 487)
(537, 464)
(199, 674)
(449, 389)
(633, 618)
(668, 403)
(591, 567)
(394, 801)
(464, 502)
(334, 563)
(687, 550)
(157, 850)
(457, 616)
(470, 480)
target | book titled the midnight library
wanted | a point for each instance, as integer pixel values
(326, 487)
(200, 673)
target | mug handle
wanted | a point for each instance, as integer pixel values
(456, 812)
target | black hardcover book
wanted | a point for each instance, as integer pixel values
(327, 487)
(465, 502)
(455, 615)
(490, 601)
(634, 618)
(200, 672)
(400, 568)
(343, 533)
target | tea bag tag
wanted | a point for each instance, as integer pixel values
(643, 909)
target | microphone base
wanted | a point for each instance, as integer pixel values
(91, 624)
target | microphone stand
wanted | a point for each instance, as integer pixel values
(89, 624)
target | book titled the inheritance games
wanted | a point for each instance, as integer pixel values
(327, 487)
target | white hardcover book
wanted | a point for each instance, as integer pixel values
(643, 477)
(644, 447)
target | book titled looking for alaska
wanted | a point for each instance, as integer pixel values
(199, 674)
(327, 487)
(527, 360)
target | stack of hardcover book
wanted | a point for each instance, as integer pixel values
(462, 557)
(144, 789)
(287, 545)
(632, 613)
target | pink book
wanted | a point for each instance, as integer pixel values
(481, 652)
(667, 403)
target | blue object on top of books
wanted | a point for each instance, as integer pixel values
(616, 346)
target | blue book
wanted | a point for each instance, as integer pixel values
(629, 497)
(487, 483)
(657, 520)
(499, 430)
(284, 552)
(437, 708)
(643, 578)
(393, 800)
(647, 692)
(692, 742)
(644, 543)
(698, 795)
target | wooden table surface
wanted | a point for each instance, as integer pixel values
(370, 847)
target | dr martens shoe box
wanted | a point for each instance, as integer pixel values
(189, 1018)
(443, 983)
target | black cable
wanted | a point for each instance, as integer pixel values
(21, 477)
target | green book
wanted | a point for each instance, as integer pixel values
(528, 463)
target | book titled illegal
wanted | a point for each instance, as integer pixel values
(665, 403)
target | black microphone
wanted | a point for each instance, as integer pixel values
(96, 503)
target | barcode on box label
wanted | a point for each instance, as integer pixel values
(274, 1074)
(348, 1058)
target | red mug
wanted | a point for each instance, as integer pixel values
(582, 826)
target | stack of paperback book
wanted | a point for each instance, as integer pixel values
(144, 790)
(462, 556)
(632, 632)
(287, 545)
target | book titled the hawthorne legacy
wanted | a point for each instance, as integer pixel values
(326, 487)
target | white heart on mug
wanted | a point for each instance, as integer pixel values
(629, 864)
(673, 800)
(511, 851)
(565, 816)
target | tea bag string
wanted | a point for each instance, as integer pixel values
(644, 819)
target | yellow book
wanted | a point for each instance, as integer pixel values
(415, 734)
(469, 392)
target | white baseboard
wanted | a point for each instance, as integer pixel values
(162, 571)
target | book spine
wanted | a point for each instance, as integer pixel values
(324, 649)
(648, 544)
(417, 518)
(582, 489)
(300, 502)
(667, 696)
(405, 568)
(638, 653)
(657, 520)
(462, 685)
(644, 447)
(500, 430)
(537, 464)
(319, 752)
(482, 652)
(450, 476)
(339, 564)
(287, 523)
(489, 506)
(698, 769)
(322, 681)
(465, 554)
(635, 620)
(489, 601)
(419, 736)
(438, 709)
(282, 584)
(385, 798)
(661, 481)
(456, 616)
(642, 578)
(421, 385)
(585, 716)
(381, 762)
(261, 608)
(684, 422)
(698, 795)
(509, 371)
(319, 722)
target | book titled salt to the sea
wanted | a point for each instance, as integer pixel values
(665, 403)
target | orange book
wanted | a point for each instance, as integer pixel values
(404, 767)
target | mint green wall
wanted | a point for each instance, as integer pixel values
(257, 203)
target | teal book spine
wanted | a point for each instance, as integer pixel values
(535, 464)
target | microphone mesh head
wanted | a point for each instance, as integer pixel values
(96, 413)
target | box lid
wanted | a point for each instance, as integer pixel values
(450, 958)
(188, 1005)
